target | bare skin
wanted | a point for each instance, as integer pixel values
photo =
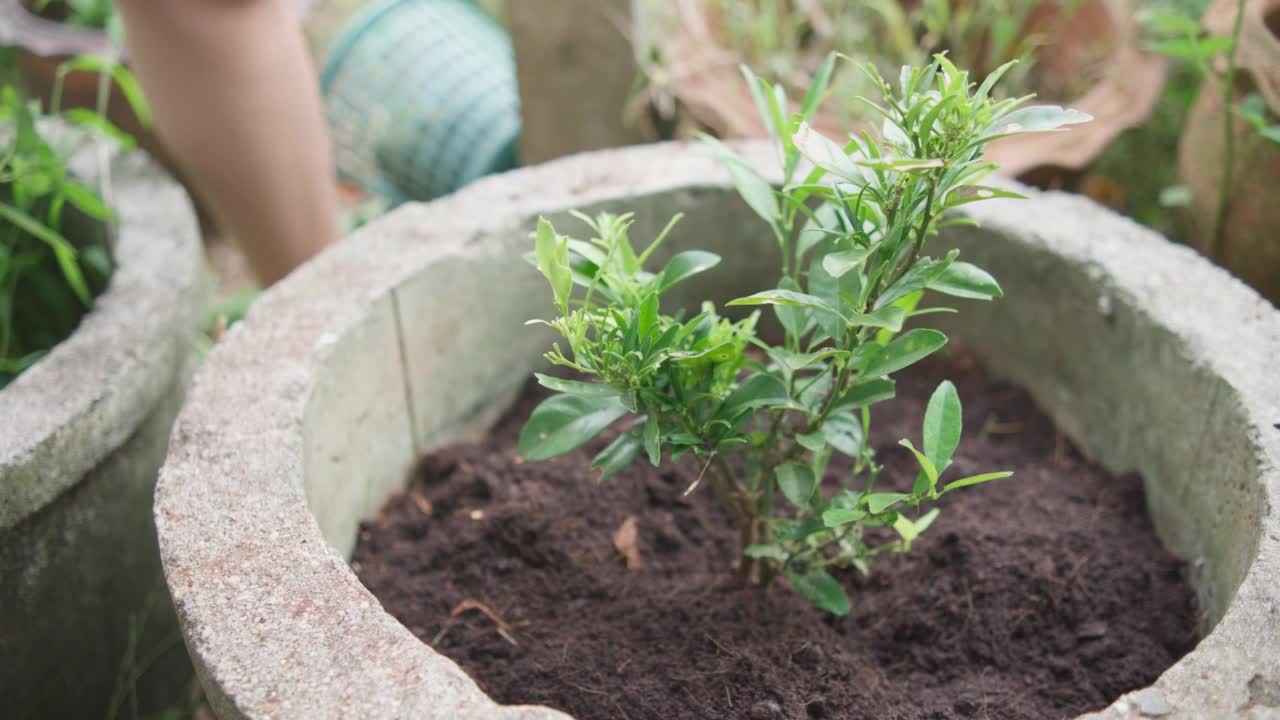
(235, 99)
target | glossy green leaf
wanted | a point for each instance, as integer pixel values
(786, 297)
(819, 588)
(817, 228)
(965, 280)
(791, 317)
(653, 440)
(686, 265)
(552, 256)
(91, 120)
(755, 191)
(813, 442)
(943, 422)
(64, 252)
(905, 350)
(797, 483)
(577, 387)
(1037, 118)
(879, 502)
(975, 480)
(844, 433)
(818, 86)
(835, 517)
(867, 392)
(799, 361)
(838, 263)
(760, 390)
(562, 423)
(826, 154)
(617, 455)
(768, 552)
(889, 317)
(926, 465)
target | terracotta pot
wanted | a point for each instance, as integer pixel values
(1100, 34)
(1249, 243)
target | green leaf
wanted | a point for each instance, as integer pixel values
(835, 517)
(826, 154)
(942, 425)
(975, 193)
(844, 433)
(889, 317)
(923, 271)
(120, 74)
(867, 392)
(552, 254)
(685, 265)
(769, 552)
(797, 482)
(786, 297)
(617, 455)
(1036, 118)
(966, 280)
(794, 361)
(975, 480)
(879, 502)
(813, 442)
(926, 520)
(91, 120)
(817, 228)
(906, 530)
(562, 423)
(905, 350)
(760, 390)
(716, 353)
(838, 263)
(653, 440)
(792, 318)
(819, 588)
(926, 465)
(64, 252)
(755, 190)
(818, 87)
(577, 387)
(86, 201)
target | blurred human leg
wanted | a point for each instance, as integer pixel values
(235, 98)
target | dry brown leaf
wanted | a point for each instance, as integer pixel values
(625, 540)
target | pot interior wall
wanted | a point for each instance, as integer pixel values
(445, 352)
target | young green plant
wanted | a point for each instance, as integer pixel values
(47, 280)
(763, 420)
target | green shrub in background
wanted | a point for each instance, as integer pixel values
(54, 255)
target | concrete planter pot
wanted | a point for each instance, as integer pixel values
(82, 435)
(1150, 357)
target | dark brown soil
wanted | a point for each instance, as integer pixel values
(1041, 596)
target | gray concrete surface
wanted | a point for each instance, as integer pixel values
(410, 335)
(82, 435)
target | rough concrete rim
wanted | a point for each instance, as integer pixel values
(89, 394)
(283, 628)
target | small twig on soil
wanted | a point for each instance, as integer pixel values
(422, 503)
(727, 651)
(1059, 447)
(992, 426)
(503, 628)
(220, 328)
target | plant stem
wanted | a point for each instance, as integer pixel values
(1228, 139)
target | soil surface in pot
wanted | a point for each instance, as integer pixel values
(1041, 596)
